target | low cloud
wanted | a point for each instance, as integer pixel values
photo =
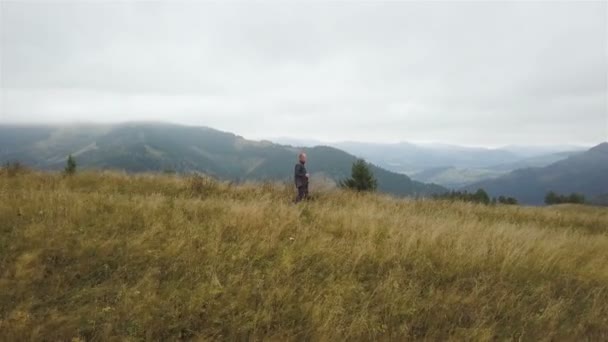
(472, 73)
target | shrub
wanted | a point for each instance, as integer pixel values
(202, 186)
(554, 198)
(13, 169)
(480, 196)
(506, 200)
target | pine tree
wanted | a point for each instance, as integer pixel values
(362, 178)
(70, 167)
(551, 198)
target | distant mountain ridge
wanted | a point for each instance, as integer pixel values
(534, 161)
(585, 173)
(454, 178)
(411, 158)
(141, 147)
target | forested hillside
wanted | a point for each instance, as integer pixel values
(142, 147)
(585, 173)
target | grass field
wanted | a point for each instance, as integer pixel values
(106, 256)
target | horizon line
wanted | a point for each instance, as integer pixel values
(317, 141)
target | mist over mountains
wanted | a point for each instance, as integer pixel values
(449, 165)
(159, 147)
(411, 158)
(523, 173)
(142, 197)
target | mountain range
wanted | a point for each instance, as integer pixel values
(522, 173)
(451, 166)
(585, 173)
(413, 158)
(141, 147)
(455, 178)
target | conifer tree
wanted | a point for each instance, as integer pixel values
(362, 178)
(70, 167)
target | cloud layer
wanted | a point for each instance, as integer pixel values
(471, 73)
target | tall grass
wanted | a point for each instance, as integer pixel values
(107, 256)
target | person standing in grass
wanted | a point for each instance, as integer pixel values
(301, 178)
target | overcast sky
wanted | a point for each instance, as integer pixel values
(476, 73)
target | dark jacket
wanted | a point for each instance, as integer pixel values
(300, 175)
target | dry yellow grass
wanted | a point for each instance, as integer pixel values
(106, 256)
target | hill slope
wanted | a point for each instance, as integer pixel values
(139, 147)
(585, 173)
(535, 161)
(104, 256)
(454, 178)
(456, 166)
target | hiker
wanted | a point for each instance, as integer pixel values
(301, 178)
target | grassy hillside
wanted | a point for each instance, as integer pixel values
(103, 256)
(145, 147)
